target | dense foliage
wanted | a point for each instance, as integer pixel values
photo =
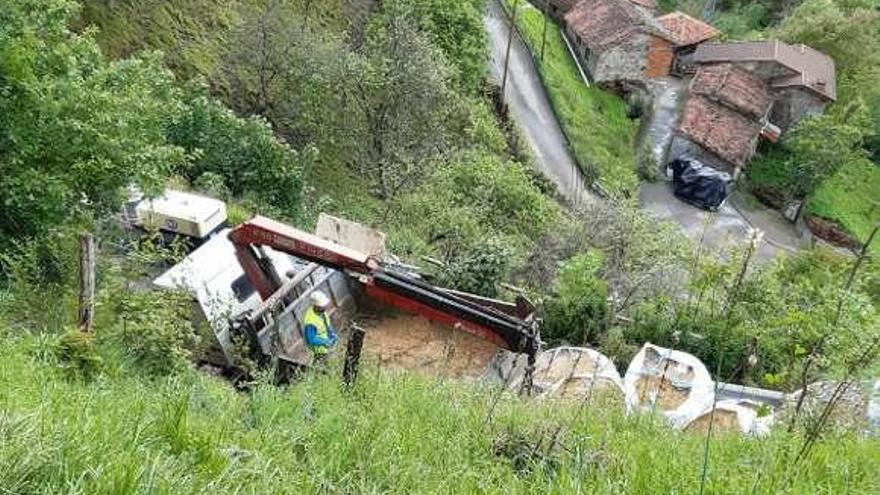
(78, 129)
(243, 154)
(578, 309)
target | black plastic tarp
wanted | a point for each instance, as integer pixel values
(698, 184)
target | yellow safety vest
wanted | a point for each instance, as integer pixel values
(320, 323)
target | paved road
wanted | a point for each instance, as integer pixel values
(531, 109)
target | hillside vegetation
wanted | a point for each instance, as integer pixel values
(379, 112)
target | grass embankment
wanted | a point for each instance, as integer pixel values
(397, 433)
(851, 199)
(600, 134)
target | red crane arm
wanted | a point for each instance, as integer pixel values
(262, 231)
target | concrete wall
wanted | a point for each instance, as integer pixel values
(793, 105)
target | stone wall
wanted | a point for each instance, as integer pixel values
(793, 105)
(682, 147)
(626, 61)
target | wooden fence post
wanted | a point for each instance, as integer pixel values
(86, 281)
(353, 355)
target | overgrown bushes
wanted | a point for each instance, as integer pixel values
(244, 153)
(576, 313)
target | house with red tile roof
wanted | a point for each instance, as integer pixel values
(619, 42)
(802, 79)
(722, 119)
(687, 33)
(737, 91)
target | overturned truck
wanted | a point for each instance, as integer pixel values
(345, 261)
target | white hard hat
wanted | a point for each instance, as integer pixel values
(319, 299)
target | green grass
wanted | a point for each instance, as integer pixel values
(396, 433)
(600, 134)
(851, 199)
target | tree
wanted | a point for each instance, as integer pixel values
(846, 30)
(820, 146)
(75, 129)
(252, 162)
(403, 107)
(456, 27)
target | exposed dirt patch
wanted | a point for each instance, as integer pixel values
(414, 343)
(831, 232)
(669, 397)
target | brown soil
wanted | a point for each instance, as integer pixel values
(831, 232)
(414, 343)
(669, 397)
(577, 380)
(725, 422)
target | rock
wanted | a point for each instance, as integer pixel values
(849, 414)
(791, 209)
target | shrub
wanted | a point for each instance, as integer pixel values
(78, 354)
(480, 268)
(245, 153)
(154, 330)
(577, 311)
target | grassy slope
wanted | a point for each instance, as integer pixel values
(189, 33)
(851, 199)
(600, 134)
(395, 434)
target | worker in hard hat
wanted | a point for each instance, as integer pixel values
(318, 329)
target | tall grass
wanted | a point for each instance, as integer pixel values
(395, 433)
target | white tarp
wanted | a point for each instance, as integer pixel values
(559, 372)
(674, 383)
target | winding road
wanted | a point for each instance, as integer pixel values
(531, 109)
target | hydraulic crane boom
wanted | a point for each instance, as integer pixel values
(381, 283)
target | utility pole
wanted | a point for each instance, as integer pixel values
(86, 281)
(509, 43)
(544, 37)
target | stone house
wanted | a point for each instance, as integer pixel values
(687, 33)
(619, 42)
(726, 109)
(802, 80)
